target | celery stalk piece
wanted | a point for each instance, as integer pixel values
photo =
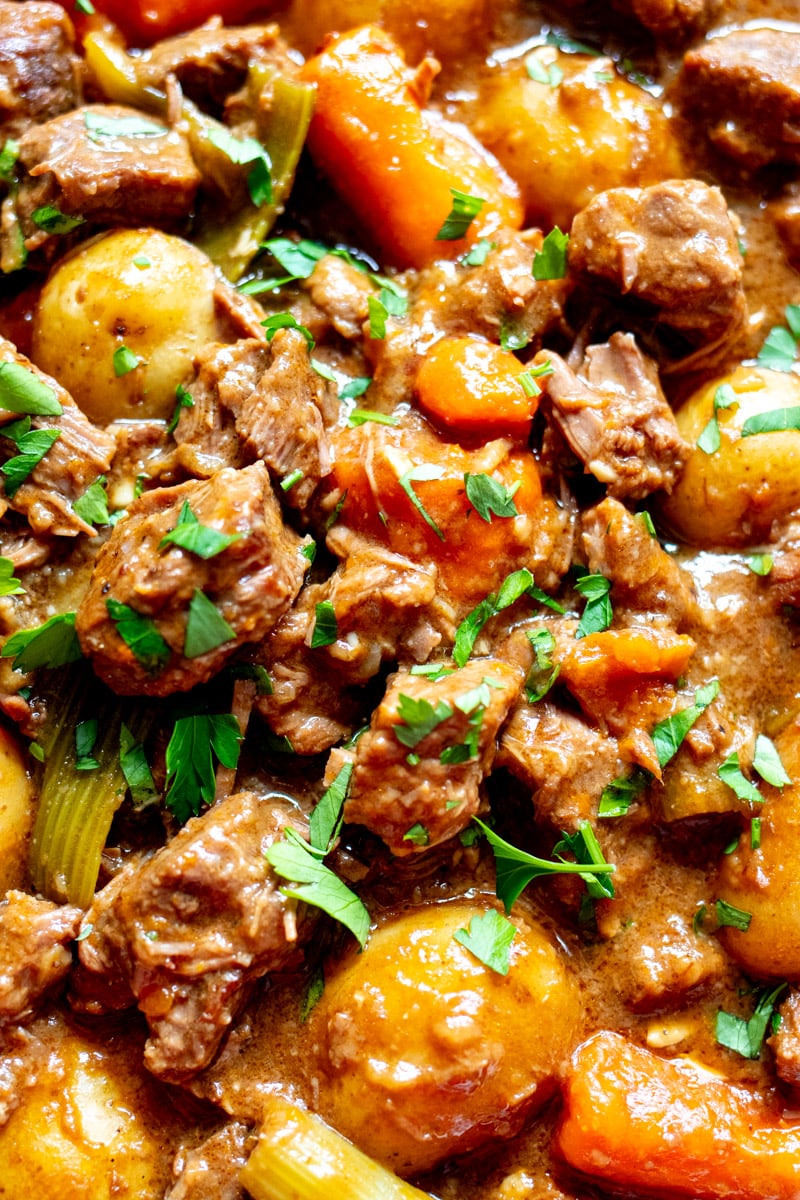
(298, 1157)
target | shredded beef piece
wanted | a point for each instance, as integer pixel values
(648, 586)
(784, 578)
(34, 958)
(785, 1044)
(185, 933)
(80, 454)
(252, 582)
(342, 292)
(670, 18)
(391, 795)
(671, 250)
(111, 179)
(39, 70)
(616, 419)
(212, 1168)
(743, 89)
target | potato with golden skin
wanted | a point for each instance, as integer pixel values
(732, 496)
(575, 129)
(140, 289)
(422, 1052)
(16, 812)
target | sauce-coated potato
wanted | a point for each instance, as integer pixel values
(564, 143)
(731, 497)
(449, 29)
(136, 288)
(16, 813)
(766, 882)
(423, 1052)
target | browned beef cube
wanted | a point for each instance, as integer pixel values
(38, 65)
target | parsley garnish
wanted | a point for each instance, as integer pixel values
(313, 992)
(9, 585)
(183, 399)
(418, 835)
(92, 506)
(197, 539)
(766, 761)
(755, 833)
(100, 125)
(777, 420)
(206, 628)
(326, 819)
(125, 361)
(780, 347)
(568, 45)
(669, 734)
(585, 847)
(464, 211)
(476, 255)
(528, 378)
(551, 261)
(617, 796)
(515, 869)
(544, 671)
(315, 884)
(709, 441)
(730, 772)
(33, 444)
(191, 750)
(421, 474)
(488, 497)
(418, 718)
(85, 738)
(140, 635)
(387, 303)
(142, 262)
(8, 160)
(136, 770)
(246, 152)
(515, 585)
(355, 387)
(53, 644)
(285, 320)
(288, 481)
(53, 220)
(359, 416)
(760, 564)
(729, 914)
(326, 629)
(549, 74)
(512, 336)
(598, 614)
(298, 258)
(22, 391)
(489, 938)
(747, 1037)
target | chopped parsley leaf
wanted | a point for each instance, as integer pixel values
(125, 361)
(22, 391)
(755, 833)
(183, 399)
(747, 1037)
(9, 584)
(197, 539)
(489, 938)
(512, 336)
(355, 387)
(709, 441)
(617, 796)
(421, 474)
(568, 45)
(313, 992)
(463, 212)
(33, 444)
(730, 772)
(766, 761)
(206, 628)
(647, 521)
(549, 74)
(195, 742)
(360, 416)
(85, 738)
(101, 125)
(777, 420)
(8, 160)
(488, 497)
(298, 258)
(418, 718)
(515, 869)
(326, 629)
(288, 481)
(598, 614)
(760, 564)
(326, 819)
(418, 835)
(544, 672)
(136, 770)
(53, 644)
(517, 584)
(780, 347)
(551, 261)
(669, 734)
(315, 884)
(729, 914)
(140, 635)
(53, 220)
(286, 320)
(584, 846)
(246, 152)
(476, 255)
(92, 506)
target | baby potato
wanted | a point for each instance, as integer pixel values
(16, 812)
(449, 29)
(766, 882)
(137, 290)
(422, 1052)
(575, 129)
(732, 496)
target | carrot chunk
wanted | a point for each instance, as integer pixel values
(616, 657)
(474, 386)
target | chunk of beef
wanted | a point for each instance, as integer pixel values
(212, 1168)
(38, 66)
(743, 89)
(671, 250)
(670, 18)
(563, 760)
(616, 418)
(251, 582)
(785, 1044)
(342, 293)
(784, 578)
(381, 602)
(185, 933)
(74, 461)
(272, 400)
(649, 587)
(785, 212)
(400, 787)
(107, 164)
(34, 954)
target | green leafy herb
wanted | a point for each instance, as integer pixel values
(9, 585)
(22, 391)
(8, 160)
(420, 474)
(53, 220)
(544, 671)
(617, 796)
(33, 444)
(141, 261)
(515, 585)
(252, 671)
(326, 819)
(568, 45)
(489, 938)
(309, 551)
(432, 671)
(197, 539)
(247, 152)
(729, 914)
(85, 738)
(298, 258)
(760, 564)
(730, 772)
(53, 644)
(488, 497)
(36, 751)
(101, 125)
(777, 420)
(669, 734)
(780, 347)
(476, 255)
(92, 506)
(323, 370)
(549, 74)
(598, 614)
(463, 212)
(766, 761)
(512, 336)
(183, 399)
(85, 6)
(583, 844)
(312, 993)
(516, 868)
(698, 919)
(288, 481)
(140, 635)
(551, 261)
(528, 378)
(125, 361)
(709, 441)
(417, 835)
(195, 742)
(359, 416)
(755, 833)
(285, 320)
(336, 512)
(747, 1037)
(136, 770)
(206, 628)
(355, 387)
(315, 884)
(418, 718)
(326, 629)
(377, 318)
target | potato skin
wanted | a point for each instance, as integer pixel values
(423, 1052)
(766, 882)
(731, 497)
(16, 812)
(97, 300)
(564, 144)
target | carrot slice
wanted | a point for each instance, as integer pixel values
(474, 386)
(615, 657)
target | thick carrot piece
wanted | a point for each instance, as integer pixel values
(639, 1121)
(394, 162)
(622, 656)
(145, 21)
(474, 387)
